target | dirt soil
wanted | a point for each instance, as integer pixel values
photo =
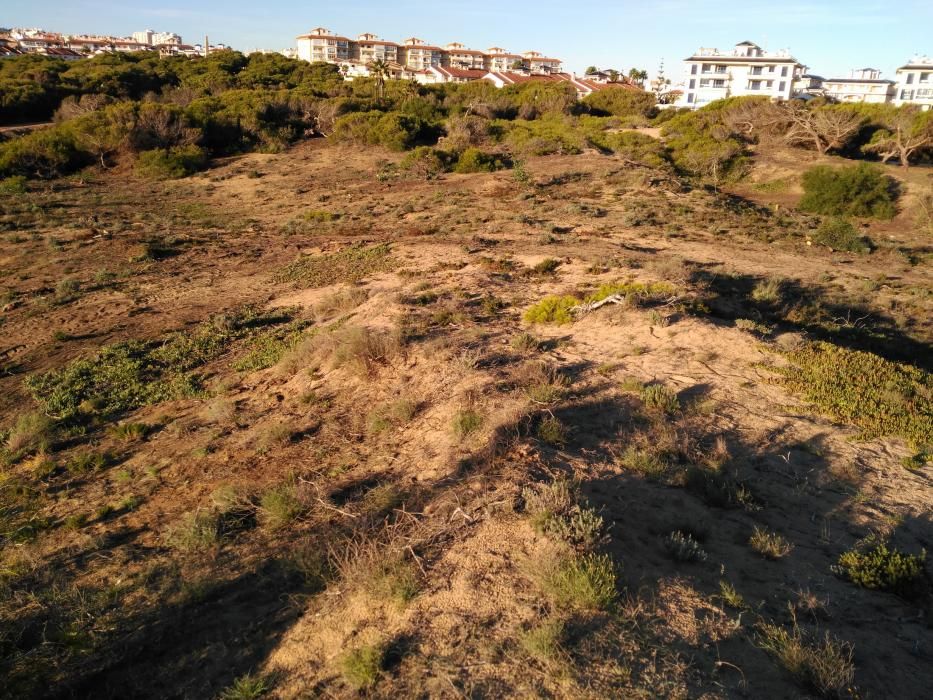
(410, 465)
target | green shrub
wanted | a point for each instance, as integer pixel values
(883, 398)
(621, 102)
(552, 309)
(172, 163)
(426, 161)
(552, 431)
(466, 422)
(582, 582)
(248, 687)
(637, 147)
(859, 190)
(543, 137)
(349, 265)
(32, 432)
(394, 130)
(473, 160)
(544, 641)
(770, 545)
(683, 547)
(362, 667)
(45, 153)
(883, 568)
(839, 234)
(15, 184)
(555, 510)
(198, 530)
(825, 666)
(280, 506)
(658, 397)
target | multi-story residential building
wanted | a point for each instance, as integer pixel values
(369, 47)
(808, 85)
(414, 56)
(144, 37)
(321, 44)
(915, 83)
(500, 60)
(165, 38)
(536, 63)
(459, 56)
(419, 55)
(746, 70)
(862, 85)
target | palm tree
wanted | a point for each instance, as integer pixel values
(638, 76)
(379, 69)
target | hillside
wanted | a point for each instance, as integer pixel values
(288, 428)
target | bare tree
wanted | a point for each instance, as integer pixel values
(905, 131)
(826, 128)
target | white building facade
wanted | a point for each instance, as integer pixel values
(746, 70)
(915, 83)
(862, 85)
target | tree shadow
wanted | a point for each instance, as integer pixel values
(811, 309)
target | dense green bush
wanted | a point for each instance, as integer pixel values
(637, 147)
(856, 190)
(543, 137)
(392, 130)
(473, 160)
(426, 161)
(839, 234)
(171, 163)
(621, 102)
(699, 144)
(883, 568)
(46, 153)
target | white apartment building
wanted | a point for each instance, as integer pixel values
(862, 85)
(459, 56)
(414, 57)
(746, 70)
(321, 44)
(915, 83)
(419, 55)
(537, 63)
(369, 47)
(500, 60)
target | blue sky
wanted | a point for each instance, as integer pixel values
(831, 37)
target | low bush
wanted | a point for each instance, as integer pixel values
(541, 137)
(46, 153)
(768, 544)
(883, 398)
(580, 582)
(473, 160)
(349, 266)
(884, 568)
(552, 309)
(197, 530)
(171, 163)
(556, 510)
(839, 234)
(637, 147)
(362, 667)
(823, 665)
(427, 162)
(551, 431)
(683, 547)
(393, 130)
(862, 190)
(466, 422)
(659, 398)
(15, 184)
(32, 432)
(280, 506)
(544, 641)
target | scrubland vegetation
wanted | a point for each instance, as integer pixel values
(356, 390)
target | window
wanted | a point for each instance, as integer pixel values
(784, 72)
(719, 83)
(756, 70)
(782, 86)
(770, 69)
(924, 77)
(689, 98)
(704, 82)
(910, 79)
(693, 69)
(907, 94)
(693, 84)
(754, 85)
(706, 67)
(720, 69)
